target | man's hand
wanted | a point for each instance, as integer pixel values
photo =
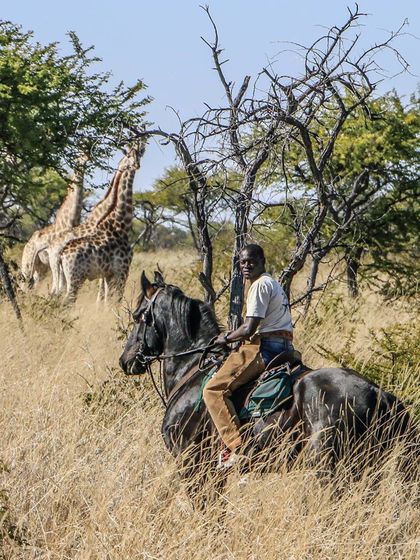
(244, 332)
(221, 339)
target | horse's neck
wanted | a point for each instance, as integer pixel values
(178, 367)
(178, 342)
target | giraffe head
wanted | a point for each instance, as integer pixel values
(28, 256)
(133, 154)
(33, 268)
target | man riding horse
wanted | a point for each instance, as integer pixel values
(329, 413)
(266, 332)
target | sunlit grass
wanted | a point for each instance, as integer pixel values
(85, 475)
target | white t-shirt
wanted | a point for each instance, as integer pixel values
(266, 299)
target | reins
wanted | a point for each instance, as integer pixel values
(159, 392)
(161, 357)
(178, 354)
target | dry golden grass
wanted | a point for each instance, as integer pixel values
(86, 474)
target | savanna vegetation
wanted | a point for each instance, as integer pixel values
(85, 473)
(321, 170)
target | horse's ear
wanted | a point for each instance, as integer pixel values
(159, 279)
(145, 284)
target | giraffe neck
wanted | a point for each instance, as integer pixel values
(103, 208)
(68, 215)
(121, 216)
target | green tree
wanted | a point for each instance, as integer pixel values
(52, 108)
(171, 199)
(387, 229)
(380, 144)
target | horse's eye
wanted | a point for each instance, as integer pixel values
(137, 316)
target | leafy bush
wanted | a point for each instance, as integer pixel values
(49, 311)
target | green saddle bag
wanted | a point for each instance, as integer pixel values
(272, 389)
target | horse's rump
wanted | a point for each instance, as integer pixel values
(334, 408)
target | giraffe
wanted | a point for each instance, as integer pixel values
(34, 265)
(54, 243)
(106, 253)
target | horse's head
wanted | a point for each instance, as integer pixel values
(166, 322)
(147, 336)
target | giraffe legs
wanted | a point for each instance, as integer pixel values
(61, 281)
(82, 260)
(103, 290)
(74, 276)
(56, 272)
(116, 284)
(73, 287)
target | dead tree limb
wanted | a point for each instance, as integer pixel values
(198, 184)
(266, 124)
(9, 291)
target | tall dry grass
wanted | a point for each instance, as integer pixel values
(85, 475)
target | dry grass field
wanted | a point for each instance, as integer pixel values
(85, 475)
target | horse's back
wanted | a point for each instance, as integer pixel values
(342, 398)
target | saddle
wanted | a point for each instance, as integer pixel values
(291, 357)
(272, 390)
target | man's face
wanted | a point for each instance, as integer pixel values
(251, 266)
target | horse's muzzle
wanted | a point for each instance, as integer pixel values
(132, 366)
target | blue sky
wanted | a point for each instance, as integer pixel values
(159, 42)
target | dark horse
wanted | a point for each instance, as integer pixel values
(326, 403)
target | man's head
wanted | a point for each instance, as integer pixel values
(252, 261)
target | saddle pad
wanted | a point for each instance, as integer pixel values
(206, 378)
(272, 389)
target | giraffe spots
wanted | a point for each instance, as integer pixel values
(104, 251)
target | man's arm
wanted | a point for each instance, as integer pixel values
(245, 331)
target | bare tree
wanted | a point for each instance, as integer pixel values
(198, 179)
(265, 124)
(151, 215)
(313, 108)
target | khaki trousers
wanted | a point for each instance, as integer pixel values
(241, 366)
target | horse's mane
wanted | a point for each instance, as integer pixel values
(191, 315)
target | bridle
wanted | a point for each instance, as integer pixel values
(145, 358)
(143, 355)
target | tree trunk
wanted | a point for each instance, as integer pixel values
(316, 259)
(148, 231)
(303, 249)
(8, 288)
(198, 188)
(242, 208)
(203, 238)
(207, 252)
(191, 228)
(352, 267)
(236, 295)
